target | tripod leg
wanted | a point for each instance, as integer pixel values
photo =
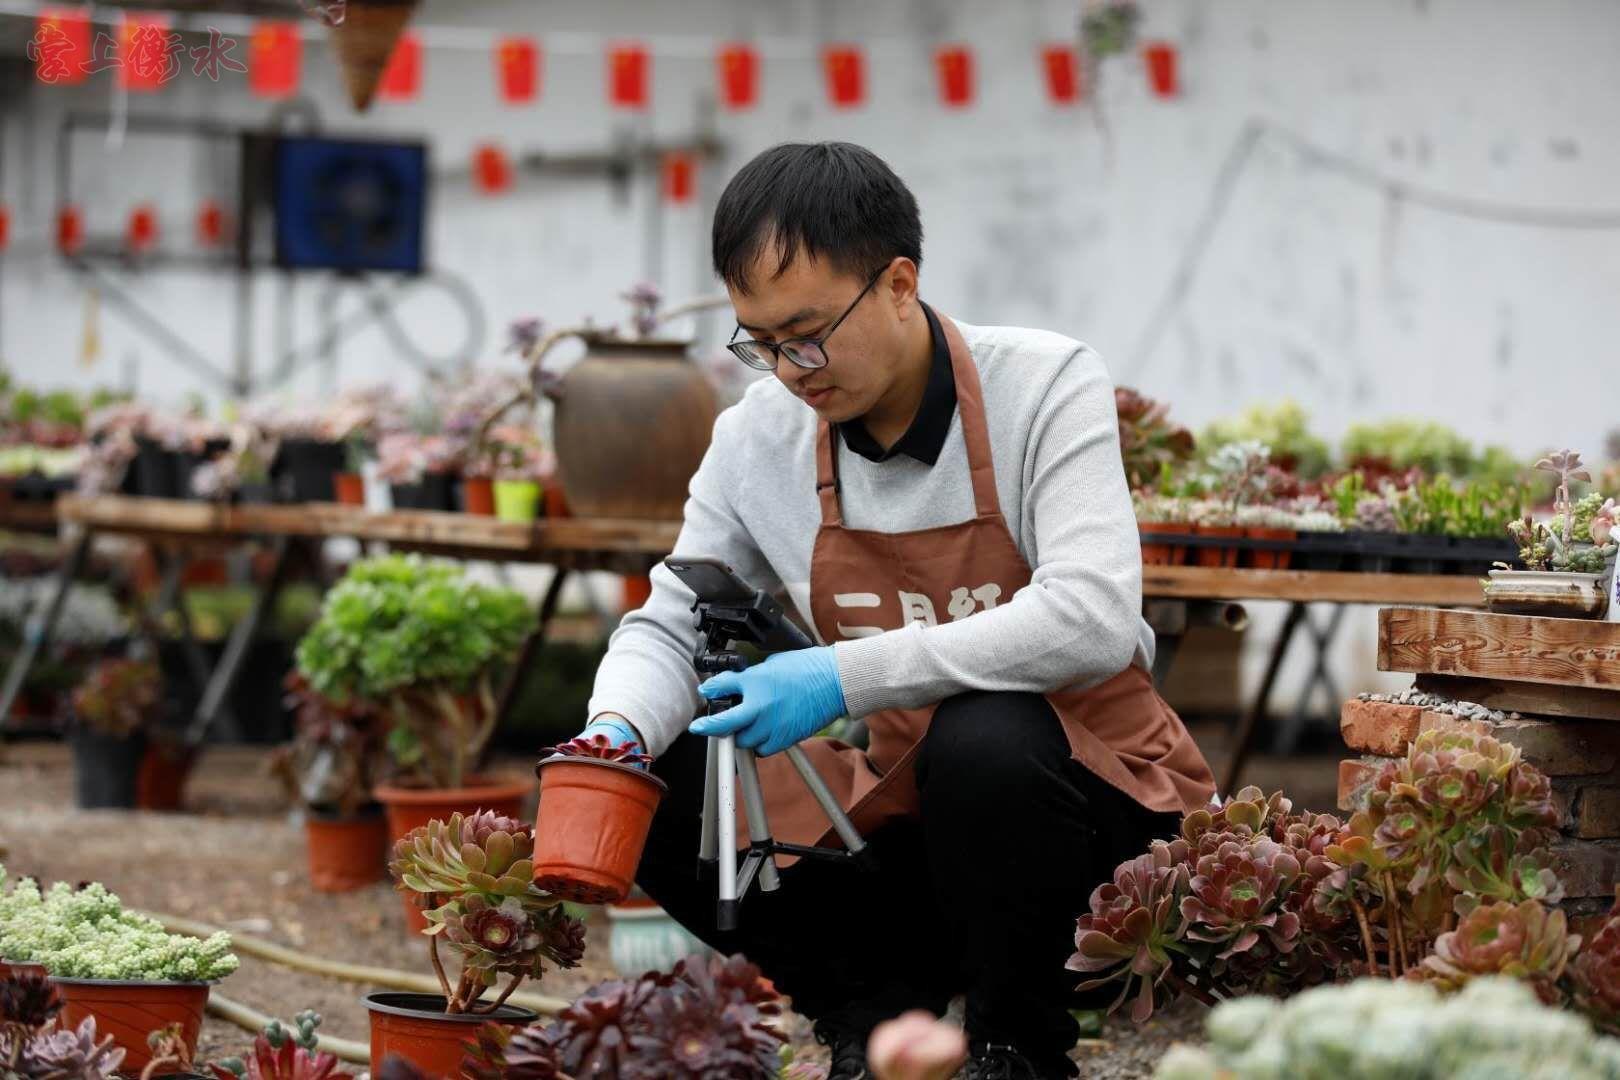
(707, 845)
(725, 776)
(759, 830)
(829, 805)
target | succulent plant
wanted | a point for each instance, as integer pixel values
(1236, 898)
(1528, 941)
(1149, 443)
(600, 748)
(28, 1001)
(504, 1052)
(119, 697)
(57, 1053)
(689, 1034)
(473, 875)
(331, 763)
(592, 1035)
(1494, 864)
(1595, 975)
(282, 1054)
(1132, 923)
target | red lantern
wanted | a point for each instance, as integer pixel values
(1161, 66)
(148, 53)
(5, 227)
(680, 177)
(492, 170)
(210, 223)
(1062, 68)
(402, 78)
(845, 69)
(517, 64)
(627, 76)
(69, 230)
(61, 46)
(739, 76)
(955, 66)
(143, 228)
(275, 59)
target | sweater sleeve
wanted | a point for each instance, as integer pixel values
(1078, 621)
(647, 675)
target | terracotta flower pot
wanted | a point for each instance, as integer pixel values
(130, 1011)
(346, 854)
(1270, 560)
(350, 488)
(517, 500)
(416, 1027)
(478, 495)
(410, 808)
(160, 782)
(1164, 554)
(555, 502)
(8, 968)
(1217, 556)
(591, 827)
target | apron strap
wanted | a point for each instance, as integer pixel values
(827, 476)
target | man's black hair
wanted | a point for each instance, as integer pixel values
(832, 200)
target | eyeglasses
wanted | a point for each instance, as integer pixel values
(806, 352)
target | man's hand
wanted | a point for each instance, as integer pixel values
(786, 699)
(617, 729)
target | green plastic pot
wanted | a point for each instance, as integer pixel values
(517, 500)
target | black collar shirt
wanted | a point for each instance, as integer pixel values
(925, 438)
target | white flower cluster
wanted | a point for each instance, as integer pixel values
(87, 934)
(89, 615)
(1373, 1029)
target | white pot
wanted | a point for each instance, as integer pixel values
(1547, 592)
(645, 938)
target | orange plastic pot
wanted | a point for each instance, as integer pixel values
(1164, 554)
(350, 488)
(1218, 556)
(160, 782)
(130, 1011)
(591, 827)
(478, 495)
(346, 854)
(9, 968)
(416, 1027)
(1270, 560)
(410, 808)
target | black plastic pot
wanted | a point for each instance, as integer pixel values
(187, 462)
(1476, 556)
(1319, 551)
(105, 769)
(255, 494)
(435, 491)
(154, 472)
(1428, 553)
(303, 470)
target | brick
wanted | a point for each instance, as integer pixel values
(1556, 747)
(1586, 867)
(1564, 793)
(1355, 773)
(1597, 813)
(1379, 727)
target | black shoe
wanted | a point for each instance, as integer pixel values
(846, 1043)
(998, 1061)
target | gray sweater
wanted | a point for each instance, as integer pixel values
(1055, 443)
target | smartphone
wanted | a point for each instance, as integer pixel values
(711, 579)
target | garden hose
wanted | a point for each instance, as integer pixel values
(252, 1020)
(393, 979)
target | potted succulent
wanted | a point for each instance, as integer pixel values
(472, 878)
(1319, 538)
(1270, 524)
(1161, 514)
(1213, 520)
(421, 470)
(241, 473)
(521, 461)
(1149, 444)
(467, 406)
(18, 950)
(420, 644)
(1564, 568)
(596, 804)
(112, 713)
(36, 1042)
(1238, 475)
(120, 967)
(328, 769)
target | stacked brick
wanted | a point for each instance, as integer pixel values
(1582, 758)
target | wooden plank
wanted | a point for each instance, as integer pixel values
(1517, 648)
(1578, 702)
(1221, 583)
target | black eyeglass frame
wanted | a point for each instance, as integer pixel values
(779, 349)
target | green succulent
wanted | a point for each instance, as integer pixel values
(1528, 941)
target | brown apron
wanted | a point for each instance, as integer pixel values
(1120, 729)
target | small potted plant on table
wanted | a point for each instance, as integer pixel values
(113, 710)
(596, 804)
(328, 768)
(1161, 514)
(1565, 567)
(521, 460)
(472, 877)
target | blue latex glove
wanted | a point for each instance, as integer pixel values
(786, 699)
(618, 731)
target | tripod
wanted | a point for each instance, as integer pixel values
(757, 620)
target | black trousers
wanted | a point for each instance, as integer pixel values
(978, 896)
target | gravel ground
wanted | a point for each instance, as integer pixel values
(236, 860)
